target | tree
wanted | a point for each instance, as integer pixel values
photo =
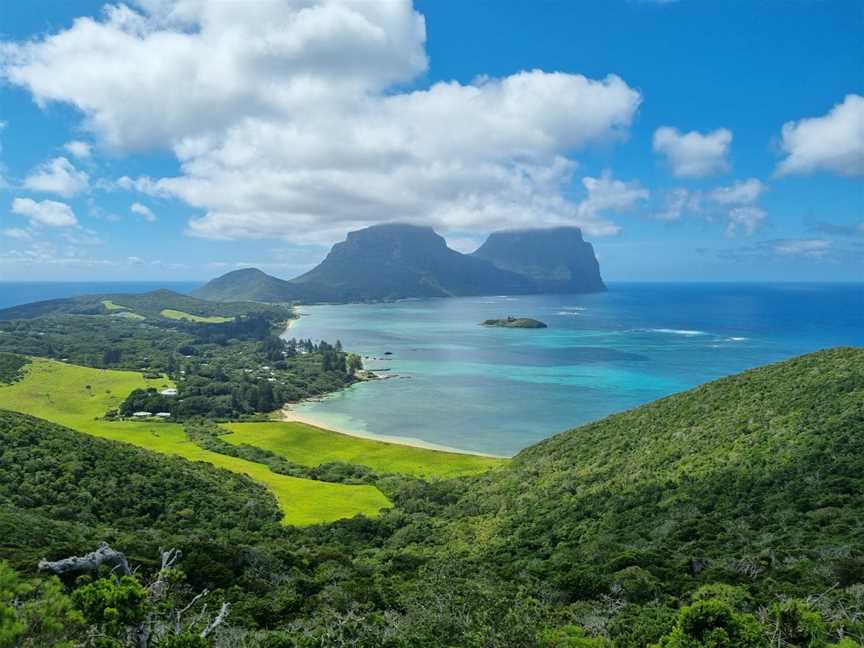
(126, 612)
(35, 613)
(713, 624)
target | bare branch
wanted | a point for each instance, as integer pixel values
(178, 615)
(220, 618)
(104, 555)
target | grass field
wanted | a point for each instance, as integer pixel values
(170, 313)
(75, 396)
(111, 306)
(312, 446)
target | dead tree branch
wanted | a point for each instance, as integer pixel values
(220, 618)
(104, 555)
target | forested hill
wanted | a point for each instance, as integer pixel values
(165, 304)
(729, 516)
(755, 478)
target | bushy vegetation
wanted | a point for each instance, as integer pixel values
(78, 397)
(149, 305)
(729, 516)
(11, 366)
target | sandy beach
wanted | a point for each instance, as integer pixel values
(291, 416)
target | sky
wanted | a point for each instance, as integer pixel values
(178, 140)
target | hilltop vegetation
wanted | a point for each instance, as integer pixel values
(143, 305)
(222, 370)
(727, 516)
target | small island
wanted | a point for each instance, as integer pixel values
(515, 322)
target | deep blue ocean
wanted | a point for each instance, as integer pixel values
(500, 390)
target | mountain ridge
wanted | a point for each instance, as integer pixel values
(396, 261)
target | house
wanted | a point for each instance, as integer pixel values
(170, 391)
(163, 415)
(142, 414)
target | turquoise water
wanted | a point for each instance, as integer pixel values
(500, 390)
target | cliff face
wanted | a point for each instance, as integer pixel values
(397, 261)
(559, 260)
(393, 261)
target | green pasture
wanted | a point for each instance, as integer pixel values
(170, 313)
(312, 446)
(76, 397)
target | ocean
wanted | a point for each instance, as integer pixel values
(497, 391)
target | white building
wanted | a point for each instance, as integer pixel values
(170, 391)
(142, 414)
(163, 414)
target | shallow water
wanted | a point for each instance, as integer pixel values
(499, 390)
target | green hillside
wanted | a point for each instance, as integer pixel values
(728, 516)
(761, 472)
(145, 305)
(78, 397)
(58, 486)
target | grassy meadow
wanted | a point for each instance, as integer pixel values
(312, 446)
(75, 397)
(170, 313)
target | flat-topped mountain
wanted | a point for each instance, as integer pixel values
(559, 260)
(395, 261)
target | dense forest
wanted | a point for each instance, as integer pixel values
(730, 515)
(222, 370)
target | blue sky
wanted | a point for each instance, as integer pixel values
(179, 140)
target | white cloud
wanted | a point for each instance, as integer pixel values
(747, 219)
(18, 233)
(78, 148)
(742, 192)
(142, 210)
(694, 155)
(678, 202)
(606, 193)
(57, 176)
(292, 125)
(735, 204)
(833, 142)
(45, 212)
(812, 248)
(230, 59)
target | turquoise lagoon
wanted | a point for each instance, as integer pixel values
(498, 390)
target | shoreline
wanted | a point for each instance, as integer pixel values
(289, 415)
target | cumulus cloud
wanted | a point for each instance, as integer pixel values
(293, 122)
(832, 143)
(694, 155)
(742, 192)
(605, 194)
(18, 233)
(57, 176)
(142, 210)
(78, 148)
(745, 219)
(45, 212)
(733, 204)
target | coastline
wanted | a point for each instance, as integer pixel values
(290, 416)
